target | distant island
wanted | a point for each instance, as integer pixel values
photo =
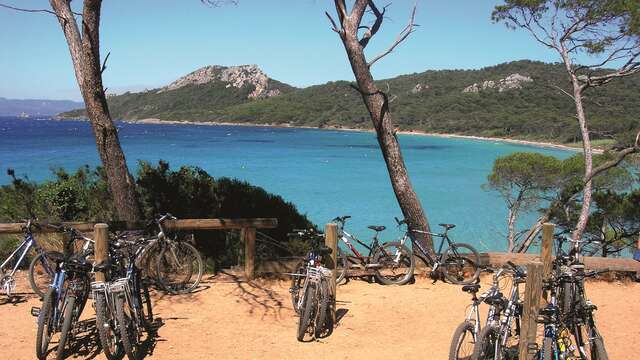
(35, 107)
(517, 100)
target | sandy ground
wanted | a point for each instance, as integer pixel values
(229, 319)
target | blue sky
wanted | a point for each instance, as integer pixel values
(153, 42)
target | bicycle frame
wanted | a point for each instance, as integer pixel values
(346, 237)
(434, 262)
(27, 243)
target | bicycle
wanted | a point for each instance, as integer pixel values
(460, 261)
(311, 295)
(64, 300)
(391, 262)
(466, 334)
(123, 303)
(574, 313)
(494, 341)
(38, 266)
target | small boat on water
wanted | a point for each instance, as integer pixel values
(24, 115)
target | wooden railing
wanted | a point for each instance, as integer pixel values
(247, 229)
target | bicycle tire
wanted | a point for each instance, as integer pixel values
(453, 268)
(486, 344)
(547, 349)
(183, 285)
(463, 331)
(39, 289)
(406, 258)
(323, 310)
(297, 284)
(144, 303)
(598, 348)
(67, 322)
(308, 305)
(342, 266)
(45, 320)
(567, 298)
(127, 328)
(107, 328)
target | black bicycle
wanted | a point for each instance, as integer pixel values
(459, 263)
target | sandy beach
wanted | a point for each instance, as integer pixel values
(231, 319)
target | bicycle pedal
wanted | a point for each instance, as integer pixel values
(35, 311)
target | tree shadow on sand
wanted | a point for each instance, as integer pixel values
(257, 296)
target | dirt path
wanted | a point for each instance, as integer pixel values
(227, 319)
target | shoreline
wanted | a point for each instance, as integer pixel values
(539, 144)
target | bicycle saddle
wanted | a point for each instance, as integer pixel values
(448, 226)
(497, 299)
(376, 227)
(471, 288)
(323, 250)
(102, 267)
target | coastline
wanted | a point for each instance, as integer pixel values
(540, 144)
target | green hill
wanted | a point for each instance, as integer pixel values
(515, 100)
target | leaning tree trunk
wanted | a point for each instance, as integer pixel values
(85, 55)
(588, 163)
(378, 107)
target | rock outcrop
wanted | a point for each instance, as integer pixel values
(420, 87)
(234, 76)
(511, 82)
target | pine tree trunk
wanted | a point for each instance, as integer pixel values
(84, 48)
(378, 106)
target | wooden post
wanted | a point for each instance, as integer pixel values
(532, 294)
(331, 241)
(546, 248)
(249, 237)
(101, 237)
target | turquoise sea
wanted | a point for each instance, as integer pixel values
(326, 173)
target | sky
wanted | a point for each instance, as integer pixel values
(153, 42)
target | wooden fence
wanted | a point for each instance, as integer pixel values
(247, 229)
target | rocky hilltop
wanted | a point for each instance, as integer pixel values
(511, 82)
(236, 76)
(511, 100)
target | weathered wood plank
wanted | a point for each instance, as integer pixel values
(101, 237)
(181, 224)
(546, 248)
(248, 236)
(532, 294)
(590, 262)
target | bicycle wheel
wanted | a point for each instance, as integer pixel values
(322, 316)
(107, 328)
(179, 268)
(461, 264)
(297, 284)
(143, 300)
(590, 343)
(342, 266)
(309, 306)
(46, 326)
(395, 264)
(67, 322)
(598, 352)
(547, 349)
(487, 345)
(127, 327)
(462, 342)
(566, 298)
(40, 274)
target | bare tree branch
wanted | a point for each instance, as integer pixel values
(28, 10)
(376, 25)
(104, 64)
(401, 37)
(616, 161)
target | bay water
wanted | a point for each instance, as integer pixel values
(325, 173)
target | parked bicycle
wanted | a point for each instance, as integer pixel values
(569, 313)
(499, 341)
(392, 263)
(466, 334)
(65, 298)
(123, 303)
(459, 263)
(311, 294)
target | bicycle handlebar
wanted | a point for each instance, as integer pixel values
(516, 269)
(341, 219)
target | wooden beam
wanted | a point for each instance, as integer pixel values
(248, 236)
(546, 248)
(181, 224)
(532, 294)
(101, 237)
(221, 224)
(331, 241)
(590, 262)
